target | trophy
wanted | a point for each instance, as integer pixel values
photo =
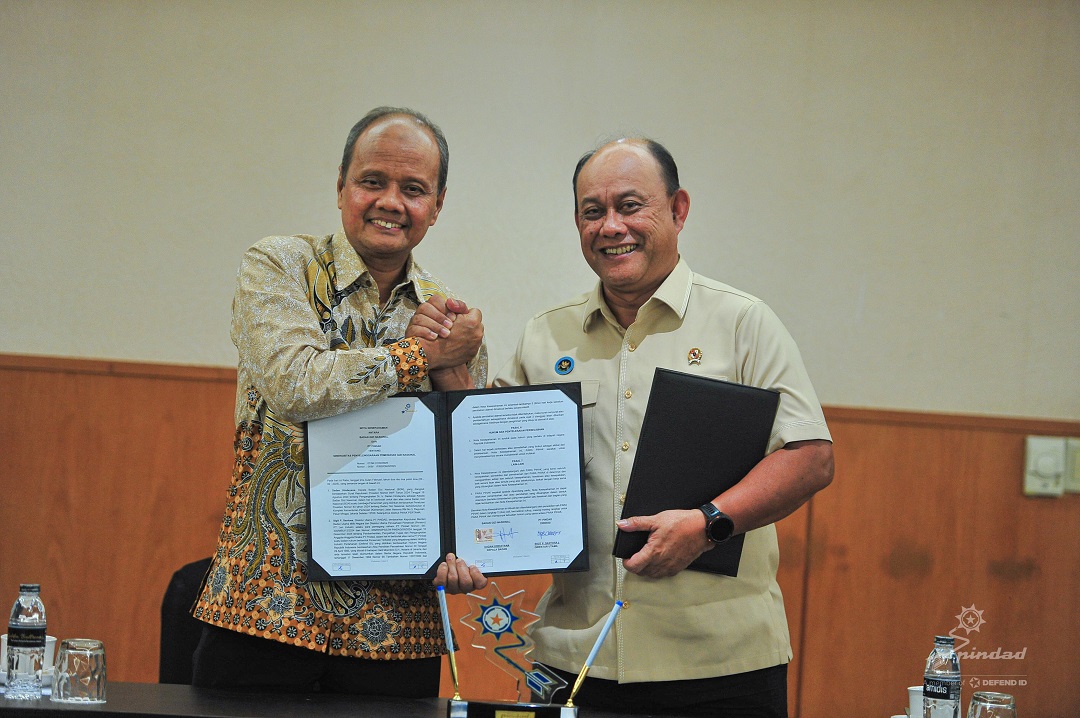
(498, 624)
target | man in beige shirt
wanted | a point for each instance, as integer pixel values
(686, 641)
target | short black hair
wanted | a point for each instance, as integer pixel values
(669, 172)
(380, 112)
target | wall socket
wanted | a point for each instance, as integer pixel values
(1072, 465)
(1044, 466)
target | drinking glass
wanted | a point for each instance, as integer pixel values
(985, 704)
(80, 672)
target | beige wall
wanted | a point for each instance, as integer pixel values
(897, 179)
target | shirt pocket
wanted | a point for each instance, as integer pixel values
(590, 389)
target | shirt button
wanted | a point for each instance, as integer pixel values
(622, 499)
(628, 393)
(632, 346)
(626, 604)
(626, 446)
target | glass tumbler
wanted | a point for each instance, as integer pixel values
(985, 704)
(79, 676)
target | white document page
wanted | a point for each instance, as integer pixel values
(517, 480)
(374, 490)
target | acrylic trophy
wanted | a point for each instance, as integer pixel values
(498, 624)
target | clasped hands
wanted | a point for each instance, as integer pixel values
(450, 334)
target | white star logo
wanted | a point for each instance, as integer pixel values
(971, 619)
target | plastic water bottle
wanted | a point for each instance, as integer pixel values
(941, 681)
(26, 644)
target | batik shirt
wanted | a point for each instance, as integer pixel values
(313, 342)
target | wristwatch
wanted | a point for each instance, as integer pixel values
(718, 526)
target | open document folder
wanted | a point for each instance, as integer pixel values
(492, 475)
(700, 437)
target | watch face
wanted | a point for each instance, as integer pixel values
(721, 527)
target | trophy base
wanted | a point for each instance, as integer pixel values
(500, 709)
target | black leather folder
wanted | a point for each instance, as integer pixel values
(700, 437)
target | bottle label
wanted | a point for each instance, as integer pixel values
(942, 690)
(26, 636)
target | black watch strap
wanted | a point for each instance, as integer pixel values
(718, 526)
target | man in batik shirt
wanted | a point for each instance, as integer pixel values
(324, 325)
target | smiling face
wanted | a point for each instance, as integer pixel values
(628, 223)
(389, 196)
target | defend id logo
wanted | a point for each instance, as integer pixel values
(971, 620)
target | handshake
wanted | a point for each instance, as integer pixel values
(450, 334)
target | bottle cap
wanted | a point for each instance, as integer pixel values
(29, 588)
(948, 640)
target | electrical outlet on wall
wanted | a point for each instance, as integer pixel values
(1044, 466)
(1072, 465)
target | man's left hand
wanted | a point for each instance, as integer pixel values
(458, 576)
(676, 538)
(435, 317)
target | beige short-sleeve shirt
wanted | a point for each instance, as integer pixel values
(692, 625)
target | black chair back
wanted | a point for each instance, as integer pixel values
(180, 630)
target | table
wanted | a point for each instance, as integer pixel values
(155, 700)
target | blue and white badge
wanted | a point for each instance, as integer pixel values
(564, 366)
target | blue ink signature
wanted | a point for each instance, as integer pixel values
(505, 534)
(546, 534)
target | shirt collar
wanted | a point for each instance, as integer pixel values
(349, 266)
(674, 292)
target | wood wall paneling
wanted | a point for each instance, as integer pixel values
(791, 534)
(114, 475)
(925, 518)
